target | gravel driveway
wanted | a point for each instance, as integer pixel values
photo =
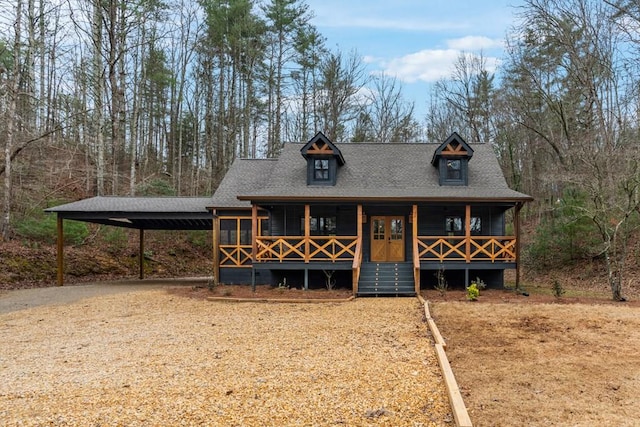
(20, 299)
(126, 356)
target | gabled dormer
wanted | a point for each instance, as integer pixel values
(452, 160)
(323, 159)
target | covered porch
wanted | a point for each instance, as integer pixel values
(349, 236)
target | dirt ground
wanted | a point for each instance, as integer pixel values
(532, 360)
(541, 360)
(157, 358)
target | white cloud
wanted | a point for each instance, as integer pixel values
(428, 65)
(368, 59)
(474, 43)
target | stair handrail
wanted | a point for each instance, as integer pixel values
(416, 266)
(357, 262)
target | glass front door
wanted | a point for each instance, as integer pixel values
(387, 238)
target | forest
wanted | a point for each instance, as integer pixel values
(158, 97)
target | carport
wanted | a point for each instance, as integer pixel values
(141, 213)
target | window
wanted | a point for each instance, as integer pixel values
(453, 224)
(321, 170)
(320, 225)
(456, 224)
(476, 224)
(454, 170)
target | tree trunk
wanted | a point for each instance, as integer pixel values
(14, 84)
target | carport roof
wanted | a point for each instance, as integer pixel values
(147, 213)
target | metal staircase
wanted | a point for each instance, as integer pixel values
(386, 279)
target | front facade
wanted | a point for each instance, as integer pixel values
(380, 218)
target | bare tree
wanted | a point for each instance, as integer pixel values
(13, 87)
(390, 117)
(572, 93)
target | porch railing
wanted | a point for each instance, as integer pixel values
(476, 248)
(299, 248)
(235, 255)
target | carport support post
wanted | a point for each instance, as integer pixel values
(60, 252)
(141, 254)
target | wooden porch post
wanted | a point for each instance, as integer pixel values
(359, 226)
(216, 248)
(414, 245)
(307, 225)
(467, 234)
(254, 244)
(60, 251)
(516, 225)
(357, 262)
(141, 254)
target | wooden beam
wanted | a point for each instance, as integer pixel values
(307, 232)
(414, 246)
(254, 233)
(60, 251)
(141, 254)
(216, 249)
(467, 233)
(360, 218)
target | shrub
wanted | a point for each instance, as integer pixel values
(441, 282)
(558, 289)
(479, 283)
(473, 292)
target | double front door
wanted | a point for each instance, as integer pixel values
(387, 238)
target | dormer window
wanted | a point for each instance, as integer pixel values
(321, 170)
(323, 159)
(454, 170)
(452, 160)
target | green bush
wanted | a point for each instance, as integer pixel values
(43, 228)
(472, 292)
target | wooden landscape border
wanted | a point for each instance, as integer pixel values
(460, 413)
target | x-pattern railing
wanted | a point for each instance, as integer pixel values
(492, 248)
(294, 248)
(235, 255)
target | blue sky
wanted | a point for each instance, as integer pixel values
(416, 41)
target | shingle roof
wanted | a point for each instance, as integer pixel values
(372, 171)
(136, 204)
(149, 213)
(244, 175)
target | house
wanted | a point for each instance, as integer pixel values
(380, 218)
